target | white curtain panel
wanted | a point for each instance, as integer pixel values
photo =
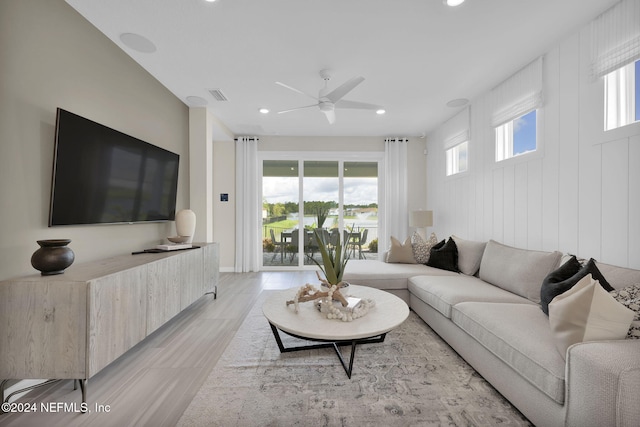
(247, 225)
(397, 216)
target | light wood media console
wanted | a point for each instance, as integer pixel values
(72, 325)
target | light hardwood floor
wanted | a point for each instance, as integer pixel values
(154, 382)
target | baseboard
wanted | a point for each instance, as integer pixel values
(227, 270)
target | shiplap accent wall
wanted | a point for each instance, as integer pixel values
(579, 193)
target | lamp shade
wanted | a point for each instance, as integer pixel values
(421, 218)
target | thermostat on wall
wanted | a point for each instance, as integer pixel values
(224, 197)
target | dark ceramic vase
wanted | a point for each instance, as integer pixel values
(53, 257)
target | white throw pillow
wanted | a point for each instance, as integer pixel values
(401, 252)
(421, 247)
(469, 255)
(587, 312)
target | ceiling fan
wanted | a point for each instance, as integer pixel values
(328, 100)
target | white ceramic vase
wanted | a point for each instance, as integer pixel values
(186, 224)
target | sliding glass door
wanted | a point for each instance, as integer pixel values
(360, 182)
(280, 211)
(301, 197)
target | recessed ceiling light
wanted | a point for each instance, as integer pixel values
(453, 3)
(210, 1)
(263, 110)
(138, 42)
(196, 101)
(381, 111)
(460, 102)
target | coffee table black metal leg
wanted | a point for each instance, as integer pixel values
(335, 345)
(353, 353)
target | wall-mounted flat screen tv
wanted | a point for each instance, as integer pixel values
(103, 176)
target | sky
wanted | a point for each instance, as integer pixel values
(524, 133)
(357, 191)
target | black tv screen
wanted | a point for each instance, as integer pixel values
(103, 176)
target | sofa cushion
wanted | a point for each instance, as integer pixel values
(520, 271)
(444, 255)
(442, 293)
(550, 290)
(587, 312)
(519, 335)
(400, 252)
(382, 275)
(619, 277)
(469, 255)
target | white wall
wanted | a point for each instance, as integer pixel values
(580, 194)
(224, 176)
(50, 57)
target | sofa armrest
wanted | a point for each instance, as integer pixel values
(603, 384)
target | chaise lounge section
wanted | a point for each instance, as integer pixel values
(494, 320)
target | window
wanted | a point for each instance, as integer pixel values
(622, 96)
(456, 142)
(516, 137)
(333, 196)
(457, 158)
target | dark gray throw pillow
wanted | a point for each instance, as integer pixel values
(444, 255)
(565, 277)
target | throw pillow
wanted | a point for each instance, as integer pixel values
(469, 255)
(630, 298)
(421, 247)
(555, 281)
(549, 291)
(587, 312)
(401, 252)
(444, 255)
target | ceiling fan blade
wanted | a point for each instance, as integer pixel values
(331, 116)
(296, 90)
(343, 103)
(337, 94)
(297, 108)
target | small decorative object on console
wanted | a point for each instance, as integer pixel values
(53, 257)
(186, 224)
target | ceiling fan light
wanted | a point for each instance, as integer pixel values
(381, 111)
(453, 3)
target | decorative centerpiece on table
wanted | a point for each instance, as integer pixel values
(332, 302)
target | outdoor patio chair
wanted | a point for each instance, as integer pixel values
(357, 240)
(279, 246)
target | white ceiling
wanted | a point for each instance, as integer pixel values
(415, 55)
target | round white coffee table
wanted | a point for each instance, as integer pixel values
(309, 324)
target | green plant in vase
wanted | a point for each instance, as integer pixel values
(334, 261)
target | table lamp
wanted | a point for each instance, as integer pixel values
(421, 220)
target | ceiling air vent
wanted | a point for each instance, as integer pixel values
(218, 95)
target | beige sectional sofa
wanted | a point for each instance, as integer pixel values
(494, 321)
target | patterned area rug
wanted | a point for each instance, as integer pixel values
(413, 378)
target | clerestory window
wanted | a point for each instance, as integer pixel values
(457, 158)
(622, 96)
(516, 137)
